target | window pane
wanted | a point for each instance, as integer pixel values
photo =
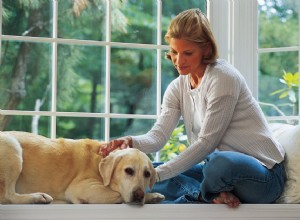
(134, 22)
(76, 128)
(81, 78)
(83, 20)
(27, 18)
(39, 125)
(130, 126)
(278, 96)
(278, 23)
(25, 82)
(133, 81)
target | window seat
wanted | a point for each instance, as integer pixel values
(149, 211)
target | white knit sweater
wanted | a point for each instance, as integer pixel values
(230, 120)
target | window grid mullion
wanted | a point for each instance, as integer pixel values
(158, 54)
(0, 29)
(158, 64)
(298, 63)
(278, 49)
(107, 71)
(54, 70)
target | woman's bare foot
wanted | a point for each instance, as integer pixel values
(227, 198)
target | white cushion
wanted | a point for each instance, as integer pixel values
(289, 137)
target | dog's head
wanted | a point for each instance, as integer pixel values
(128, 172)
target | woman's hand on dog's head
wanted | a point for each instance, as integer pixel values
(121, 143)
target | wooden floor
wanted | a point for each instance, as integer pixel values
(147, 212)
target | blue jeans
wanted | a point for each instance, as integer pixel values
(222, 171)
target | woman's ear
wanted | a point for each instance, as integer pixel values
(207, 52)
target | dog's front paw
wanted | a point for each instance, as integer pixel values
(41, 198)
(152, 198)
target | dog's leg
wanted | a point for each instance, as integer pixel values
(152, 198)
(10, 169)
(90, 191)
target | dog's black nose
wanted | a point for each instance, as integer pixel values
(138, 196)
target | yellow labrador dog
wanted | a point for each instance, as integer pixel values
(36, 169)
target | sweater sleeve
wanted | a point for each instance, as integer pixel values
(159, 134)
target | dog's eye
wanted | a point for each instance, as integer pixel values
(147, 174)
(129, 171)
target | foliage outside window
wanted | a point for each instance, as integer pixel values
(176, 144)
(279, 59)
(290, 92)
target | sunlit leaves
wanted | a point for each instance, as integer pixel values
(290, 79)
(175, 145)
(291, 82)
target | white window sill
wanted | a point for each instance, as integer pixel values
(156, 212)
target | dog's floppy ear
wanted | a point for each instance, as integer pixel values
(153, 176)
(107, 167)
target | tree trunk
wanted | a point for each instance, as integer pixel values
(91, 121)
(17, 90)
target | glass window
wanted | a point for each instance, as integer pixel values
(135, 22)
(25, 76)
(80, 78)
(84, 20)
(133, 81)
(27, 18)
(35, 124)
(279, 58)
(128, 126)
(278, 23)
(93, 69)
(80, 127)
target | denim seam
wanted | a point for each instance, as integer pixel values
(186, 189)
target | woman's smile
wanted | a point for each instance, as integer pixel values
(182, 68)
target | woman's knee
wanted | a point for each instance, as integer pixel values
(219, 162)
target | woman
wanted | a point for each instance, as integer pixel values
(225, 125)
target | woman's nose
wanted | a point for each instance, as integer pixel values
(179, 59)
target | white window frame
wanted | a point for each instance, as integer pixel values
(54, 40)
(235, 26)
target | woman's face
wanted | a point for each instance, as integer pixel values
(186, 56)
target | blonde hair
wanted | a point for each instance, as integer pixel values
(192, 25)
